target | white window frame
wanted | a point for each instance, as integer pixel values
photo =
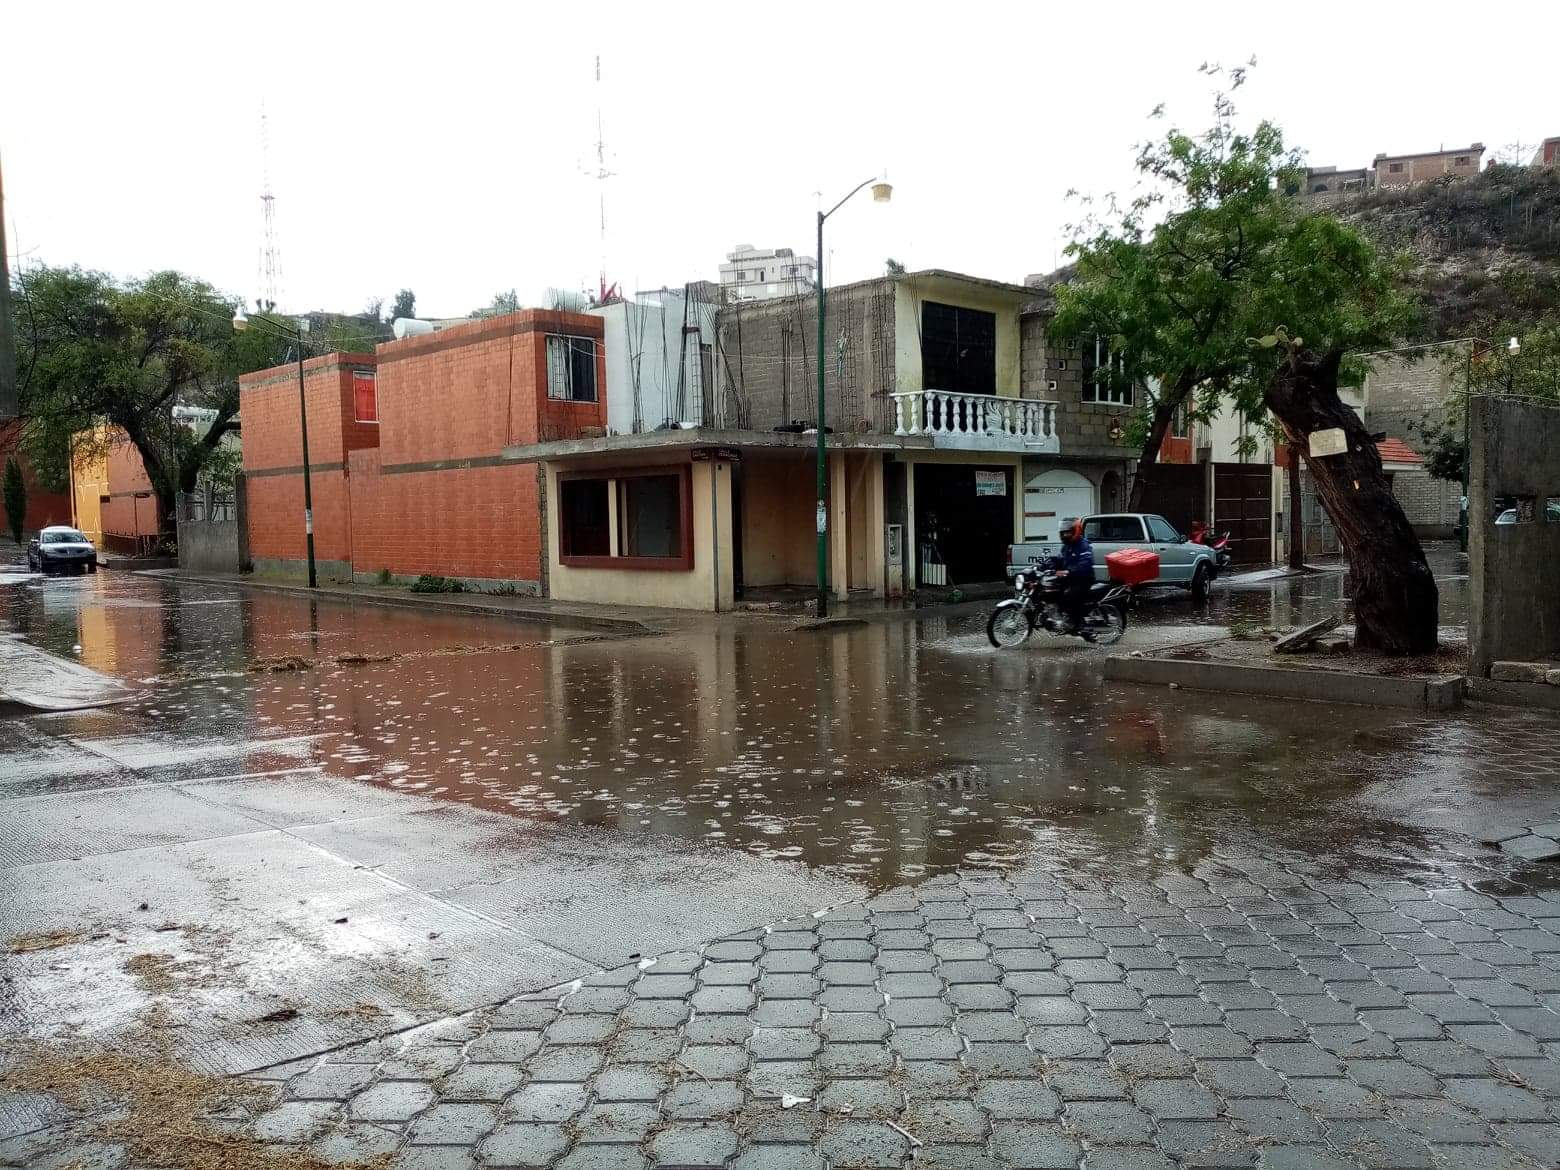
(1100, 395)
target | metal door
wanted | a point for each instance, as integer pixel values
(1243, 507)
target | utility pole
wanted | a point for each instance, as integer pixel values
(8, 401)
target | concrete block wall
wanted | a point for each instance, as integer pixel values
(1082, 427)
(1431, 505)
(1405, 390)
(768, 363)
(1514, 590)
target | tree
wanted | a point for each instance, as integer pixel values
(1166, 295)
(404, 305)
(1245, 296)
(1491, 368)
(94, 350)
(15, 492)
(505, 302)
(893, 267)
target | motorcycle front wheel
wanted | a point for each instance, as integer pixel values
(1105, 624)
(1009, 627)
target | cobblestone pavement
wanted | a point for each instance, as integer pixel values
(1260, 1013)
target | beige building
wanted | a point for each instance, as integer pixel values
(1404, 170)
(945, 435)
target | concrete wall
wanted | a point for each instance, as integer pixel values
(1083, 428)
(209, 546)
(1420, 168)
(1514, 588)
(644, 349)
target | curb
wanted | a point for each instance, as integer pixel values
(532, 616)
(1514, 694)
(1443, 693)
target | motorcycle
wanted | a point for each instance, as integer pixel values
(1219, 543)
(1036, 602)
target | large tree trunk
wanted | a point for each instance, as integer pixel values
(1395, 599)
(1158, 428)
(1296, 528)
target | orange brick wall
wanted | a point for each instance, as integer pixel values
(477, 522)
(455, 398)
(273, 440)
(43, 508)
(126, 517)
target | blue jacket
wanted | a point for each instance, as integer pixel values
(1078, 557)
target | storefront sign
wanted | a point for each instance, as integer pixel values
(717, 454)
(991, 483)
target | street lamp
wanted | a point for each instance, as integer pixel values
(240, 323)
(882, 192)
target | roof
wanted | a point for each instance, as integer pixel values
(1396, 451)
(1472, 148)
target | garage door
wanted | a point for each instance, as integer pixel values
(1050, 497)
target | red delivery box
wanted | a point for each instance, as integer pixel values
(1133, 566)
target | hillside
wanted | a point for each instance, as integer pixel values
(1484, 249)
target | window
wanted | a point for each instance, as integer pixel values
(1462, 160)
(760, 274)
(1178, 427)
(1159, 529)
(571, 368)
(1394, 168)
(1096, 362)
(958, 349)
(641, 519)
(1061, 363)
(365, 401)
(1114, 530)
(583, 518)
(649, 516)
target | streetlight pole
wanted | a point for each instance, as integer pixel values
(881, 192)
(241, 322)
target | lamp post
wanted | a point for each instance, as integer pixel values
(240, 323)
(882, 192)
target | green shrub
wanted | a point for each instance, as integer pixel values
(427, 583)
(383, 577)
(15, 490)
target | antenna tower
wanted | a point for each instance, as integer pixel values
(601, 175)
(270, 259)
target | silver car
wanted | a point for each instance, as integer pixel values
(58, 549)
(1181, 562)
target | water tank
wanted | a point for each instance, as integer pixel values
(411, 327)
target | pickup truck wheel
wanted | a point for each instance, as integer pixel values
(1200, 582)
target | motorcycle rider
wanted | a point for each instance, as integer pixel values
(1076, 573)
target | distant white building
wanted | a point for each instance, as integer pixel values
(756, 274)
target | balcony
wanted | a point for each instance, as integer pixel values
(978, 422)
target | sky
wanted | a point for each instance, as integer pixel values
(447, 148)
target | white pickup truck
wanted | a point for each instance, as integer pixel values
(1182, 563)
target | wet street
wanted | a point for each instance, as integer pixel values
(471, 890)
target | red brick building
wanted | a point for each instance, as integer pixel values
(43, 507)
(342, 418)
(405, 449)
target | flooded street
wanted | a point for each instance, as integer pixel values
(430, 875)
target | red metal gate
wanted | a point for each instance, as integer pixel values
(1243, 507)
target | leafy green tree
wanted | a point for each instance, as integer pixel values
(93, 349)
(1162, 280)
(15, 492)
(1240, 294)
(1492, 368)
(404, 305)
(505, 302)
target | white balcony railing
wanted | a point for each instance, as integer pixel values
(977, 422)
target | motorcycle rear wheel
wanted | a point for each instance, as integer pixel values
(1105, 624)
(1009, 627)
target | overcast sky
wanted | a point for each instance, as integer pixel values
(442, 147)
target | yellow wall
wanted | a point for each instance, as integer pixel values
(88, 484)
(908, 295)
(779, 524)
(672, 589)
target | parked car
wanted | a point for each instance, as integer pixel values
(1182, 563)
(59, 549)
(1551, 514)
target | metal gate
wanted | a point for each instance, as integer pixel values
(1178, 492)
(1243, 507)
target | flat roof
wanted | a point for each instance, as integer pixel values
(688, 437)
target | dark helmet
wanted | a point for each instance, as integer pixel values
(1072, 529)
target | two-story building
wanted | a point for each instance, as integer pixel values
(944, 423)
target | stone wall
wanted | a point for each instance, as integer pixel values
(1514, 587)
